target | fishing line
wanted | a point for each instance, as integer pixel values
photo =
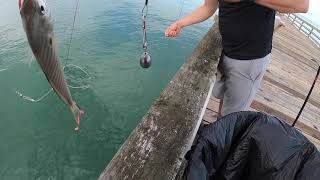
(28, 98)
(84, 87)
(72, 30)
(34, 100)
(66, 65)
(68, 52)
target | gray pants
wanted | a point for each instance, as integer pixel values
(238, 82)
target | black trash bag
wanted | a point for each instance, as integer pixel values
(252, 146)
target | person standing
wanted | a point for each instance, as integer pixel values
(246, 27)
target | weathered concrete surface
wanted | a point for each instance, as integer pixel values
(157, 146)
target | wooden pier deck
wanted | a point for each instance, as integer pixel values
(287, 83)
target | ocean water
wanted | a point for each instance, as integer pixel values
(313, 15)
(37, 140)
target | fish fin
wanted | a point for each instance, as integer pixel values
(77, 113)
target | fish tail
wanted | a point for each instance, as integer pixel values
(77, 113)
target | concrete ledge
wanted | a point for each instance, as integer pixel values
(157, 146)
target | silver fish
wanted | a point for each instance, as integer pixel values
(39, 29)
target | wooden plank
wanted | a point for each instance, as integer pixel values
(157, 146)
(294, 42)
(290, 58)
(213, 105)
(214, 99)
(210, 116)
(296, 76)
(286, 73)
(293, 71)
(267, 109)
(285, 102)
(293, 92)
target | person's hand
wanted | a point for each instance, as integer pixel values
(173, 30)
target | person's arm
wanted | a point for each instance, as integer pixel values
(200, 14)
(284, 6)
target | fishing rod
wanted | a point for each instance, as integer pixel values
(145, 58)
(308, 96)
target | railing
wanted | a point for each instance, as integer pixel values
(312, 32)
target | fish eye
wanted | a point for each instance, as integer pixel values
(42, 10)
(42, 7)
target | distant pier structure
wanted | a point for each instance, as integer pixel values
(157, 146)
(311, 31)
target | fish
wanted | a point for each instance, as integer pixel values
(38, 27)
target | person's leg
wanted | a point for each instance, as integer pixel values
(242, 83)
(219, 88)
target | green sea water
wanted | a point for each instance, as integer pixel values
(37, 140)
